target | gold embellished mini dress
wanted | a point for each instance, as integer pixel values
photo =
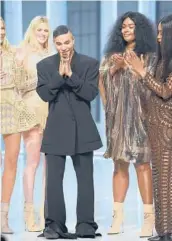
(28, 89)
(15, 116)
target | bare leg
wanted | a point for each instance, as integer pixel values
(12, 148)
(144, 176)
(120, 181)
(120, 187)
(32, 140)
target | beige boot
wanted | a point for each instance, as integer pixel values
(118, 218)
(149, 221)
(41, 218)
(30, 223)
(4, 219)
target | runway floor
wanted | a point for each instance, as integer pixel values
(103, 170)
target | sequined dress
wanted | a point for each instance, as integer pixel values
(125, 111)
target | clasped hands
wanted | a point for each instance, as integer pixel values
(132, 61)
(65, 66)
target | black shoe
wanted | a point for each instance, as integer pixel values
(166, 237)
(87, 230)
(56, 233)
(92, 236)
(49, 233)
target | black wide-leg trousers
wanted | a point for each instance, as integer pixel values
(55, 210)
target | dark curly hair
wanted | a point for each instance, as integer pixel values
(144, 34)
(164, 51)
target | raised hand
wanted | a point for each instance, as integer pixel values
(68, 71)
(135, 63)
(118, 60)
(62, 68)
(65, 64)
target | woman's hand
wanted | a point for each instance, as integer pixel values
(135, 63)
(118, 60)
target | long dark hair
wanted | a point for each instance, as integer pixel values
(144, 34)
(164, 50)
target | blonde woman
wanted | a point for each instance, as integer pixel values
(34, 48)
(15, 118)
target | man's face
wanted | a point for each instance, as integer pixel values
(64, 45)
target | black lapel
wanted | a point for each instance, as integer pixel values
(74, 61)
(55, 61)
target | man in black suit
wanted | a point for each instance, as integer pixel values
(69, 82)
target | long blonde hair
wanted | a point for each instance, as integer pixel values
(5, 45)
(29, 37)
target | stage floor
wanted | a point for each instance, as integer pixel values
(129, 235)
(103, 170)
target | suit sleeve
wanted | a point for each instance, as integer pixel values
(48, 86)
(86, 88)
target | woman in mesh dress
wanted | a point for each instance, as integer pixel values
(160, 126)
(125, 102)
(33, 49)
(15, 117)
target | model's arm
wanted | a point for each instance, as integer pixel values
(164, 90)
(20, 74)
(21, 79)
(48, 87)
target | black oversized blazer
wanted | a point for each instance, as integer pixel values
(70, 128)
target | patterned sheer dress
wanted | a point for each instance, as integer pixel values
(160, 134)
